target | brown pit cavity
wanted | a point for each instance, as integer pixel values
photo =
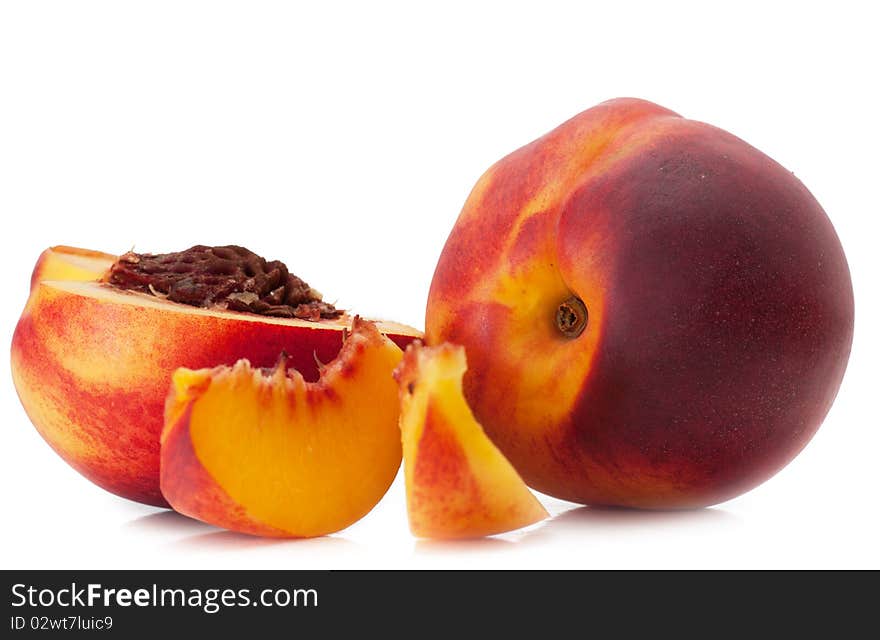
(228, 277)
(571, 317)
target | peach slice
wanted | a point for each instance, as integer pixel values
(267, 453)
(92, 363)
(458, 484)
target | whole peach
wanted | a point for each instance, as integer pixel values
(655, 313)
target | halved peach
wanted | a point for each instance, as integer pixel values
(267, 453)
(458, 484)
(92, 363)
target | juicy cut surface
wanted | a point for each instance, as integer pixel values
(229, 277)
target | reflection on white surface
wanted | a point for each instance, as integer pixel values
(232, 541)
(474, 545)
(166, 521)
(580, 518)
(202, 537)
(584, 523)
(219, 541)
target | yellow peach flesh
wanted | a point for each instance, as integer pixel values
(301, 459)
(70, 263)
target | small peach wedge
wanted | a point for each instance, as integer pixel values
(266, 453)
(458, 484)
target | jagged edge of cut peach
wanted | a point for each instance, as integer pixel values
(187, 385)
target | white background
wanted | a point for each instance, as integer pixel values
(344, 140)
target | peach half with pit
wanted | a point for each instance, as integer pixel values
(267, 453)
(94, 350)
(458, 484)
(656, 314)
